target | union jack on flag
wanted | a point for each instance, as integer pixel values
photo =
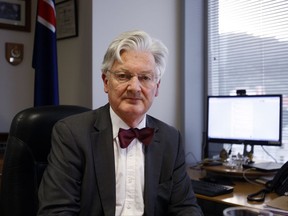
(46, 90)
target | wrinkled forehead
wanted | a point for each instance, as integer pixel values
(139, 60)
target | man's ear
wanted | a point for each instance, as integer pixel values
(157, 89)
(105, 82)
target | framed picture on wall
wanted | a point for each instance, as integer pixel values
(15, 15)
(66, 13)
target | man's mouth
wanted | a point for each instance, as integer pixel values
(133, 99)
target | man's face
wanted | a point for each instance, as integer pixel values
(130, 94)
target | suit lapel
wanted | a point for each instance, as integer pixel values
(102, 145)
(103, 153)
(153, 163)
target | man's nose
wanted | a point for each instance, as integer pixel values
(134, 82)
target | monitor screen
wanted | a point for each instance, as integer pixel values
(245, 119)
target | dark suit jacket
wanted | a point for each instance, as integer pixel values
(80, 177)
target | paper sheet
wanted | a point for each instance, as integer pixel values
(279, 203)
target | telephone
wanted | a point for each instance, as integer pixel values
(279, 185)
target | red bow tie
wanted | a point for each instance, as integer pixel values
(145, 135)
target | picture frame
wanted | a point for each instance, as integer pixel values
(15, 15)
(66, 19)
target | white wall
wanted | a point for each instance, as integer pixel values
(16, 82)
(193, 101)
(75, 61)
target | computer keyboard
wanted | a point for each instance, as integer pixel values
(210, 189)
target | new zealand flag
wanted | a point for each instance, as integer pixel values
(46, 90)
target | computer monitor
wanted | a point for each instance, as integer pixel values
(249, 120)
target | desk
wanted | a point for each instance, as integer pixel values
(214, 206)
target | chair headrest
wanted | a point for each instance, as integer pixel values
(33, 126)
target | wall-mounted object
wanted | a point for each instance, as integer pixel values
(14, 53)
(15, 15)
(66, 22)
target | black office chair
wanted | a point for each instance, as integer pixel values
(25, 157)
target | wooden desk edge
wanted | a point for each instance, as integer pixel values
(238, 197)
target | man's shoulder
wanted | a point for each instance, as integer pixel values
(154, 122)
(88, 116)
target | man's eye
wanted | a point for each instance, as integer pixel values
(123, 76)
(146, 77)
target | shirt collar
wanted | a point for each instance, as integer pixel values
(117, 123)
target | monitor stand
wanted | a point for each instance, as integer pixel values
(247, 153)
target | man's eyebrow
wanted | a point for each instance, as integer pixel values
(127, 71)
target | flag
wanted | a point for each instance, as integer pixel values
(44, 61)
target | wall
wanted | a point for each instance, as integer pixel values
(75, 61)
(16, 82)
(193, 67)
(74, 68)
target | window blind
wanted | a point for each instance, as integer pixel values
(248, 49)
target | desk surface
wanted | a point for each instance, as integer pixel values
(239, 195)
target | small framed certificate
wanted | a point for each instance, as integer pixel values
(66, 19)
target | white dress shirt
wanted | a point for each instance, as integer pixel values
(129, 171)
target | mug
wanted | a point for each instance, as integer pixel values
(245, 211)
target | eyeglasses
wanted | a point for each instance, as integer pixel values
(146, 79)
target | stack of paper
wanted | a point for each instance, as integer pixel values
(279, 205)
